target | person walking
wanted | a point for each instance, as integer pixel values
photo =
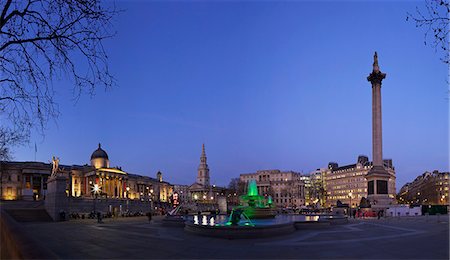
(149, 215)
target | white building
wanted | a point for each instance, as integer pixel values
(286, 188)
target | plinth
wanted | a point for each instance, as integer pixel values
(378, 187)
(56, 200)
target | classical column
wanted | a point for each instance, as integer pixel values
(377, 177)
(86, 187)
(375, 78)
(116, 189)
(42, 187)
(109, 187)
(120, 188)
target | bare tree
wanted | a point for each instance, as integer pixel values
(237, 186)
(41, 41)
(8, 137)
(435, 19)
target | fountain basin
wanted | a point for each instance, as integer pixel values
(259, 213)
(237, 232)
(173, 221)
(279, 225)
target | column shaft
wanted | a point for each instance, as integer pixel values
(376, 126)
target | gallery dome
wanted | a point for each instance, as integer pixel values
(99, 153)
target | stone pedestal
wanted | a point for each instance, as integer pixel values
(56, 200)
(27, 194)
(379, 198)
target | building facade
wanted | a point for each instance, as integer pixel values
(315, 194)
(286, 188)
(24, 180)
(348, 183)
(28, 181)
(182, 192)
(429, 188)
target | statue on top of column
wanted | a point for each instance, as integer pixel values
(55, 168)
(376, 68)
(376, 76)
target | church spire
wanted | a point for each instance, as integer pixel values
(203, 170)
(203, 151)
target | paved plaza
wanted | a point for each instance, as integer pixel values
(406, 238)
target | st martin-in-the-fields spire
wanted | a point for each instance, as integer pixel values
(203, 170)
(203, 151)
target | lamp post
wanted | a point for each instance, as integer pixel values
(350, 205)
(95, 190)
(151, 199)
(128, 191)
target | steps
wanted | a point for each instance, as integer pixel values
(29, 215)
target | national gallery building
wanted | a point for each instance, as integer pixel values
(28, 181)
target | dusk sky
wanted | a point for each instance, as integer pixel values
(265, 85)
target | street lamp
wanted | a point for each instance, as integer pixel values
(128, 190)
(350, 206)
(151, 199)
(96, 191)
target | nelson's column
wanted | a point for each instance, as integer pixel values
(378, 178)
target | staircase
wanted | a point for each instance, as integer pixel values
(21, 204)
(29, 215)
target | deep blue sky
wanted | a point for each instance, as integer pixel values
(265, 85)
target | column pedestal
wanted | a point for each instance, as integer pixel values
(377, 200)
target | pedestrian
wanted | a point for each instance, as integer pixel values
(99, 217)
(149, 215)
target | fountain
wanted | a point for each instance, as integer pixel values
(256, 206)
(254, 218)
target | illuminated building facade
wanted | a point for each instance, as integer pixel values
(430, 188)
(348, 183)
(182, 191)
(315, 194)
(28, 181)
(23, 180)
(286, 188)
(306, 179)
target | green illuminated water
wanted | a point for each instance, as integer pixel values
(252, 189)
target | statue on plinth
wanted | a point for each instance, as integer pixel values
(55, 168)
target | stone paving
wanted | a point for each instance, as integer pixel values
(126, 238)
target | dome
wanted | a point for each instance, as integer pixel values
(99, 153)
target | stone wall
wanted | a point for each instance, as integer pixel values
(84, 205)
(15, 245)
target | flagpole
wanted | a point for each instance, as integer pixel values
(35, 151)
